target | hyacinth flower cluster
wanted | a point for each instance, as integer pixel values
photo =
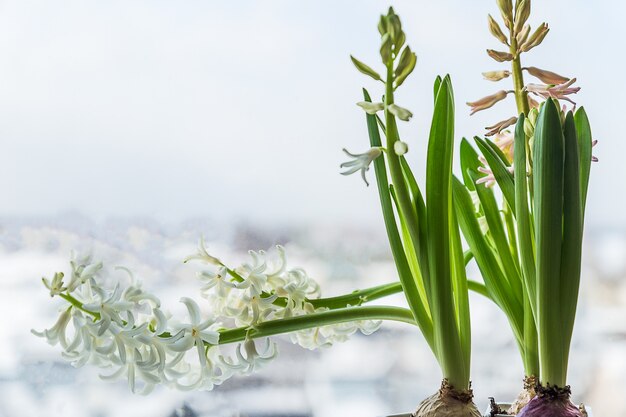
(124, 330)
(506, 236)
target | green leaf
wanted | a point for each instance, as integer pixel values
(572, 234)
(503, 177)
(496, 230)
(439, 200)
(548, 159)
(497, 285)
(583, 132)
(365, 69)
(436, 87)
(420, 210)
(469, 162)
(524, 232)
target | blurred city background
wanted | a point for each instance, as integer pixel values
(131, 129)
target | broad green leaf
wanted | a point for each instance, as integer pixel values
(439, 200)
(420, 210)
(460, 291)
(496, 230)
(524, 243)
(503, 177)
(583, 132)
(497, 286)
(411, 254)
(436, 87)
(469, 162)
(572, 234)
(548, 159)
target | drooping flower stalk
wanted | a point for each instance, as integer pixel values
(125, 329)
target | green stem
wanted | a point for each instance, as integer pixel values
(357, 297)
(405, 206)
(308, 321)
(521, 96)
(292, 324)
(79, 305)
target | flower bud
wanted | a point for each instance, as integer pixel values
(522, 12)
(487, 102)
(406, 66)
(395, 27)
(500, 56)
(529, 129)
(400, 148)
(536, 38)
(547, 77)
(495, 30)
(399, 112)
(385, 48)
(500, 126)
(506, 9)
(398, 43)
(370, 108)
(365, 69)
(532, 103)
(496, 75)
(522, 36)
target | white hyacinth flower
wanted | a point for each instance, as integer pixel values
(361, 162)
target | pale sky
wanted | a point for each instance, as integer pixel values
(239, 109)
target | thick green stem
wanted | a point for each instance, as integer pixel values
(405, 205)
(292, 324)
(521, 96)
(308, 321)
(358, 297)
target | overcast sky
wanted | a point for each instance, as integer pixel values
(239, 109)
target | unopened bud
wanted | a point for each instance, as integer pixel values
(496, 75)
(522, 12)
(398, 43)
(522, 36)
(547, 77)
(365, 69)
(529, 128)
(500, 56)
(385, 48)
(400, 148)
(495, 30)
(500, 126)
(400, 112)
(506, 9)
(536, 38)
(395, 27)
(532, 103)
(487, 102)
(406, 66)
